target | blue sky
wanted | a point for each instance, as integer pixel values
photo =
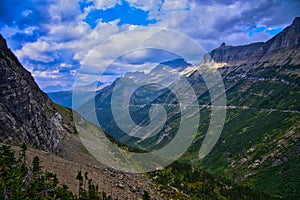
(52, 37)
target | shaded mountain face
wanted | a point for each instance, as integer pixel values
(26, 113)
(63, 98)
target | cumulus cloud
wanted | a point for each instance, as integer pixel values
(44, 77)
(141, 56)
(52, 38)
(146, 5)
(212, 22)
(36, 51)
(105, 4)
(175, 4)
(66, 43)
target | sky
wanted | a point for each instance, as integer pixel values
(51, 38)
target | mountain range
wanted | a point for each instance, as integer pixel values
(29, 117)
(260, 142)
(57, 88)
(64, 97)
(259, 146)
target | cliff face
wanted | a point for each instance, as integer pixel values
(236, 55)
(288, 39)
(273, 52)
(26, 113)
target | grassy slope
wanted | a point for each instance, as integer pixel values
(260, 141)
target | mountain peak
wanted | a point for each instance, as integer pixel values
(178, 63)
(223, 44)
(296, 21)
(3, 44)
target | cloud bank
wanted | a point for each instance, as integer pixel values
(51, 38)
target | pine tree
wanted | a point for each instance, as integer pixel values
(146, 196)
(18, 182)
(80, 181)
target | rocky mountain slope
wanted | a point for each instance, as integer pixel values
(26, 113)
(28, 116)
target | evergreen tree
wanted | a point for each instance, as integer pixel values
(19, 181)
(146, 196)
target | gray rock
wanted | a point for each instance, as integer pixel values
(27, 115)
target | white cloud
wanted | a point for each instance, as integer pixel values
(65, 65)
(74, 35)
(209, 24)
(69, 31)
(199, 21)
(26, 13)
(29, 30)
(46, 74)
(64, 10)
(145, 5)
(9, 31)
(99, 58)
(36, 51)
(175, 4)
(105, 4)
(137, 54)
(46, 78)
(121, 68)
(212, 23)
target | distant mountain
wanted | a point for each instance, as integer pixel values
(64, 98)
(159, 72)
(180, 64)
(163, 74)
(57, 88)
(26, 113)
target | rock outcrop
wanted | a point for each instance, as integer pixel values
(26, 113)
